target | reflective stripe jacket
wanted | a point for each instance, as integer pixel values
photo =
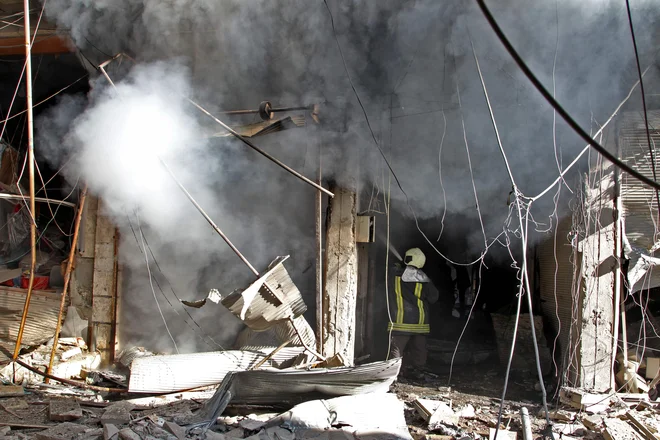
(409, 304)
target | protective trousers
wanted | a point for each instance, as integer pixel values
(412, 348)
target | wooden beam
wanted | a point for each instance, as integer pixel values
(340, 291)
(52, 44)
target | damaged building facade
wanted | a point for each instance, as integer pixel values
(213, 198)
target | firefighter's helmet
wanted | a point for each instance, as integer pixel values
(415, 257)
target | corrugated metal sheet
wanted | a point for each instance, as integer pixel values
(41, 319)
(640, 209)
(164, 374)
(292, 386)
(556, 284)
(273, 297)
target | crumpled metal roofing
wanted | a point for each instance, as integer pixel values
(293, 386)
(165, 374)
(273, 297)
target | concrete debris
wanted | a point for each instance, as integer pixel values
(64, 410)
(110, 432)
(11, 391)
(616, 429)
(442, 416)
(502, 435)
(63, 431)
(129, 434)
(467, 412)
(117, 414)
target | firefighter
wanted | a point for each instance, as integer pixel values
(410, 293)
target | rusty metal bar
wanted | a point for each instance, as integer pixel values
(74, 383)
(260, 151)
(30, 135)
(67, 277)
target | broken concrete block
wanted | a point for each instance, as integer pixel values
(110, 432)
(443, 415)
(118, 413)
(236, 433)
(502, 434)
(467, 411)
(212, 435)
(279, 433)
(92, 434)
(64, 410)
(11, 390)
(128, 434)
(559, 415)
(593, 423)
(251, 424)
(176, 430)
(63, 431)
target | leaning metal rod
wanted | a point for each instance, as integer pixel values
(189, 196)
(67, 277)
(208, 219)
(30, 134)
(260, 151)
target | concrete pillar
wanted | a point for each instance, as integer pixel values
(104, 288)
(594, 332)
(341, 277)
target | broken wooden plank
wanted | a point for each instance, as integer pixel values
(426, 407)
(616, 429)
(641, 426)
(24, 425)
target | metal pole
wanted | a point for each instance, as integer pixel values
(30, 136)
(67, 277)
(209, 220)
(319, 261)
(260, 151)
(526, 425)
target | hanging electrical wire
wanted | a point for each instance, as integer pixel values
(548, 97)
(153, 291)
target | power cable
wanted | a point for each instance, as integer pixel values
(524, 270)
(380, 150)
(548, 97)
(146, 259)
(641, 89)
(201, 335)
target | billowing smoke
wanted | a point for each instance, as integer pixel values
(410, 62)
